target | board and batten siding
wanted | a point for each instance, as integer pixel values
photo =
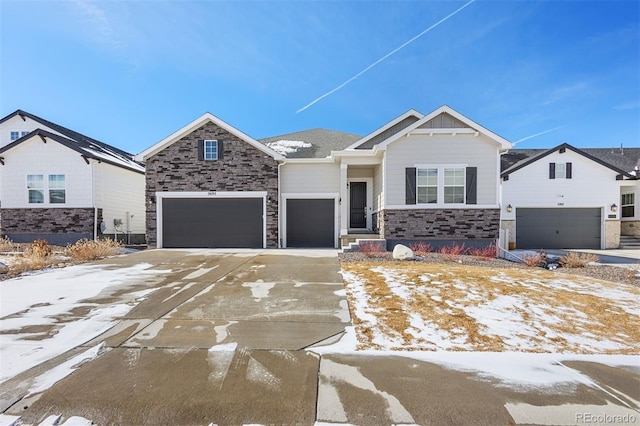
(378, 193)
(118, 191)
(36, 157)
(591, 185)
(464, 149)
(310, 178)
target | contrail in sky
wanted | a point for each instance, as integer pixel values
(537, 134)
(384, 57)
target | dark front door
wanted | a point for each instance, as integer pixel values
(358, 205)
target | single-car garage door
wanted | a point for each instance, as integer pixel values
(558, 228)
(212, 222)
(311, 222)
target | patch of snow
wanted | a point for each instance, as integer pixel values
(259, 289)
(200, 272)
(59, 372)
(48, 302)
(285, 147)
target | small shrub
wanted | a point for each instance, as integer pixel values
(453, 250)
(29, 263)
(371, 248)
(421, 248)
(534, 260)
(84, 250)
(39, 249)
(577, 260)
(489, 252)
(6, 245)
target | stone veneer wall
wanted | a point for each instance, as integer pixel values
(435, 224)
(611, 234)
(242, 168)
(54, 224)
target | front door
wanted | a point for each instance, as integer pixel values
(358, 205)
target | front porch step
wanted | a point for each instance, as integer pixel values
(629, 242)
(365, 244)
(345, 240)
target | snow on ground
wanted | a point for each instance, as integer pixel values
(45, 314)
(465, 308)
(533, 318)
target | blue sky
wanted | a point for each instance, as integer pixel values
(130, 73)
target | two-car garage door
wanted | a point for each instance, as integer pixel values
(556, 228)
(212, 222)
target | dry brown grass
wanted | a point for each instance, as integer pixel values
(578, 260)
(554, 309)
(7, 246)
(86, 250)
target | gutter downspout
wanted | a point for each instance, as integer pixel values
(93, 203)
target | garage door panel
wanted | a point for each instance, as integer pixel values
(311, 222)
(538, 228)
(212, 222)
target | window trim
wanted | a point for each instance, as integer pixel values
(632, 205)
(40, 189)
(205, 149)
(46, 189)
(440, 198)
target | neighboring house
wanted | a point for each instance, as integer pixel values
(565, 197)
(433, 178)
(59, 185)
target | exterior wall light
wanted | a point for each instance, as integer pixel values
(614, 208)
(509, 208)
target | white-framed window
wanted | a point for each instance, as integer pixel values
(628, 205)
(35, 189)
(57, 192)
(427, 186)
(53, 187)
(454, 185)
(210, 149)
(444, 184)
(561, 171)
(17, 135)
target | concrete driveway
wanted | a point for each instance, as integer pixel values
(245, 337)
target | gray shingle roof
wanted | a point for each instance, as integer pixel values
(625, 159)
(322, 142)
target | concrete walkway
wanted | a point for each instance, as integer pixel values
(233, 338)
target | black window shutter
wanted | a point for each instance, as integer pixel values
(568, 168)
(472, 185)
(200, 149)
(552, 170)
(410, 185)
(220, 149)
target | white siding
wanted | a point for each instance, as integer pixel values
(310, 178)
(118, 191)
(16, 124)
(591, 185)
(36, 157)
(464, 149)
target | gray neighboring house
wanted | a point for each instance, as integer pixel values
(62, 186)
(433, 178)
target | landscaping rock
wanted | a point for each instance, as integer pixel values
(402, 252)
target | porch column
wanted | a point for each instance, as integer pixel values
(344, 227)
